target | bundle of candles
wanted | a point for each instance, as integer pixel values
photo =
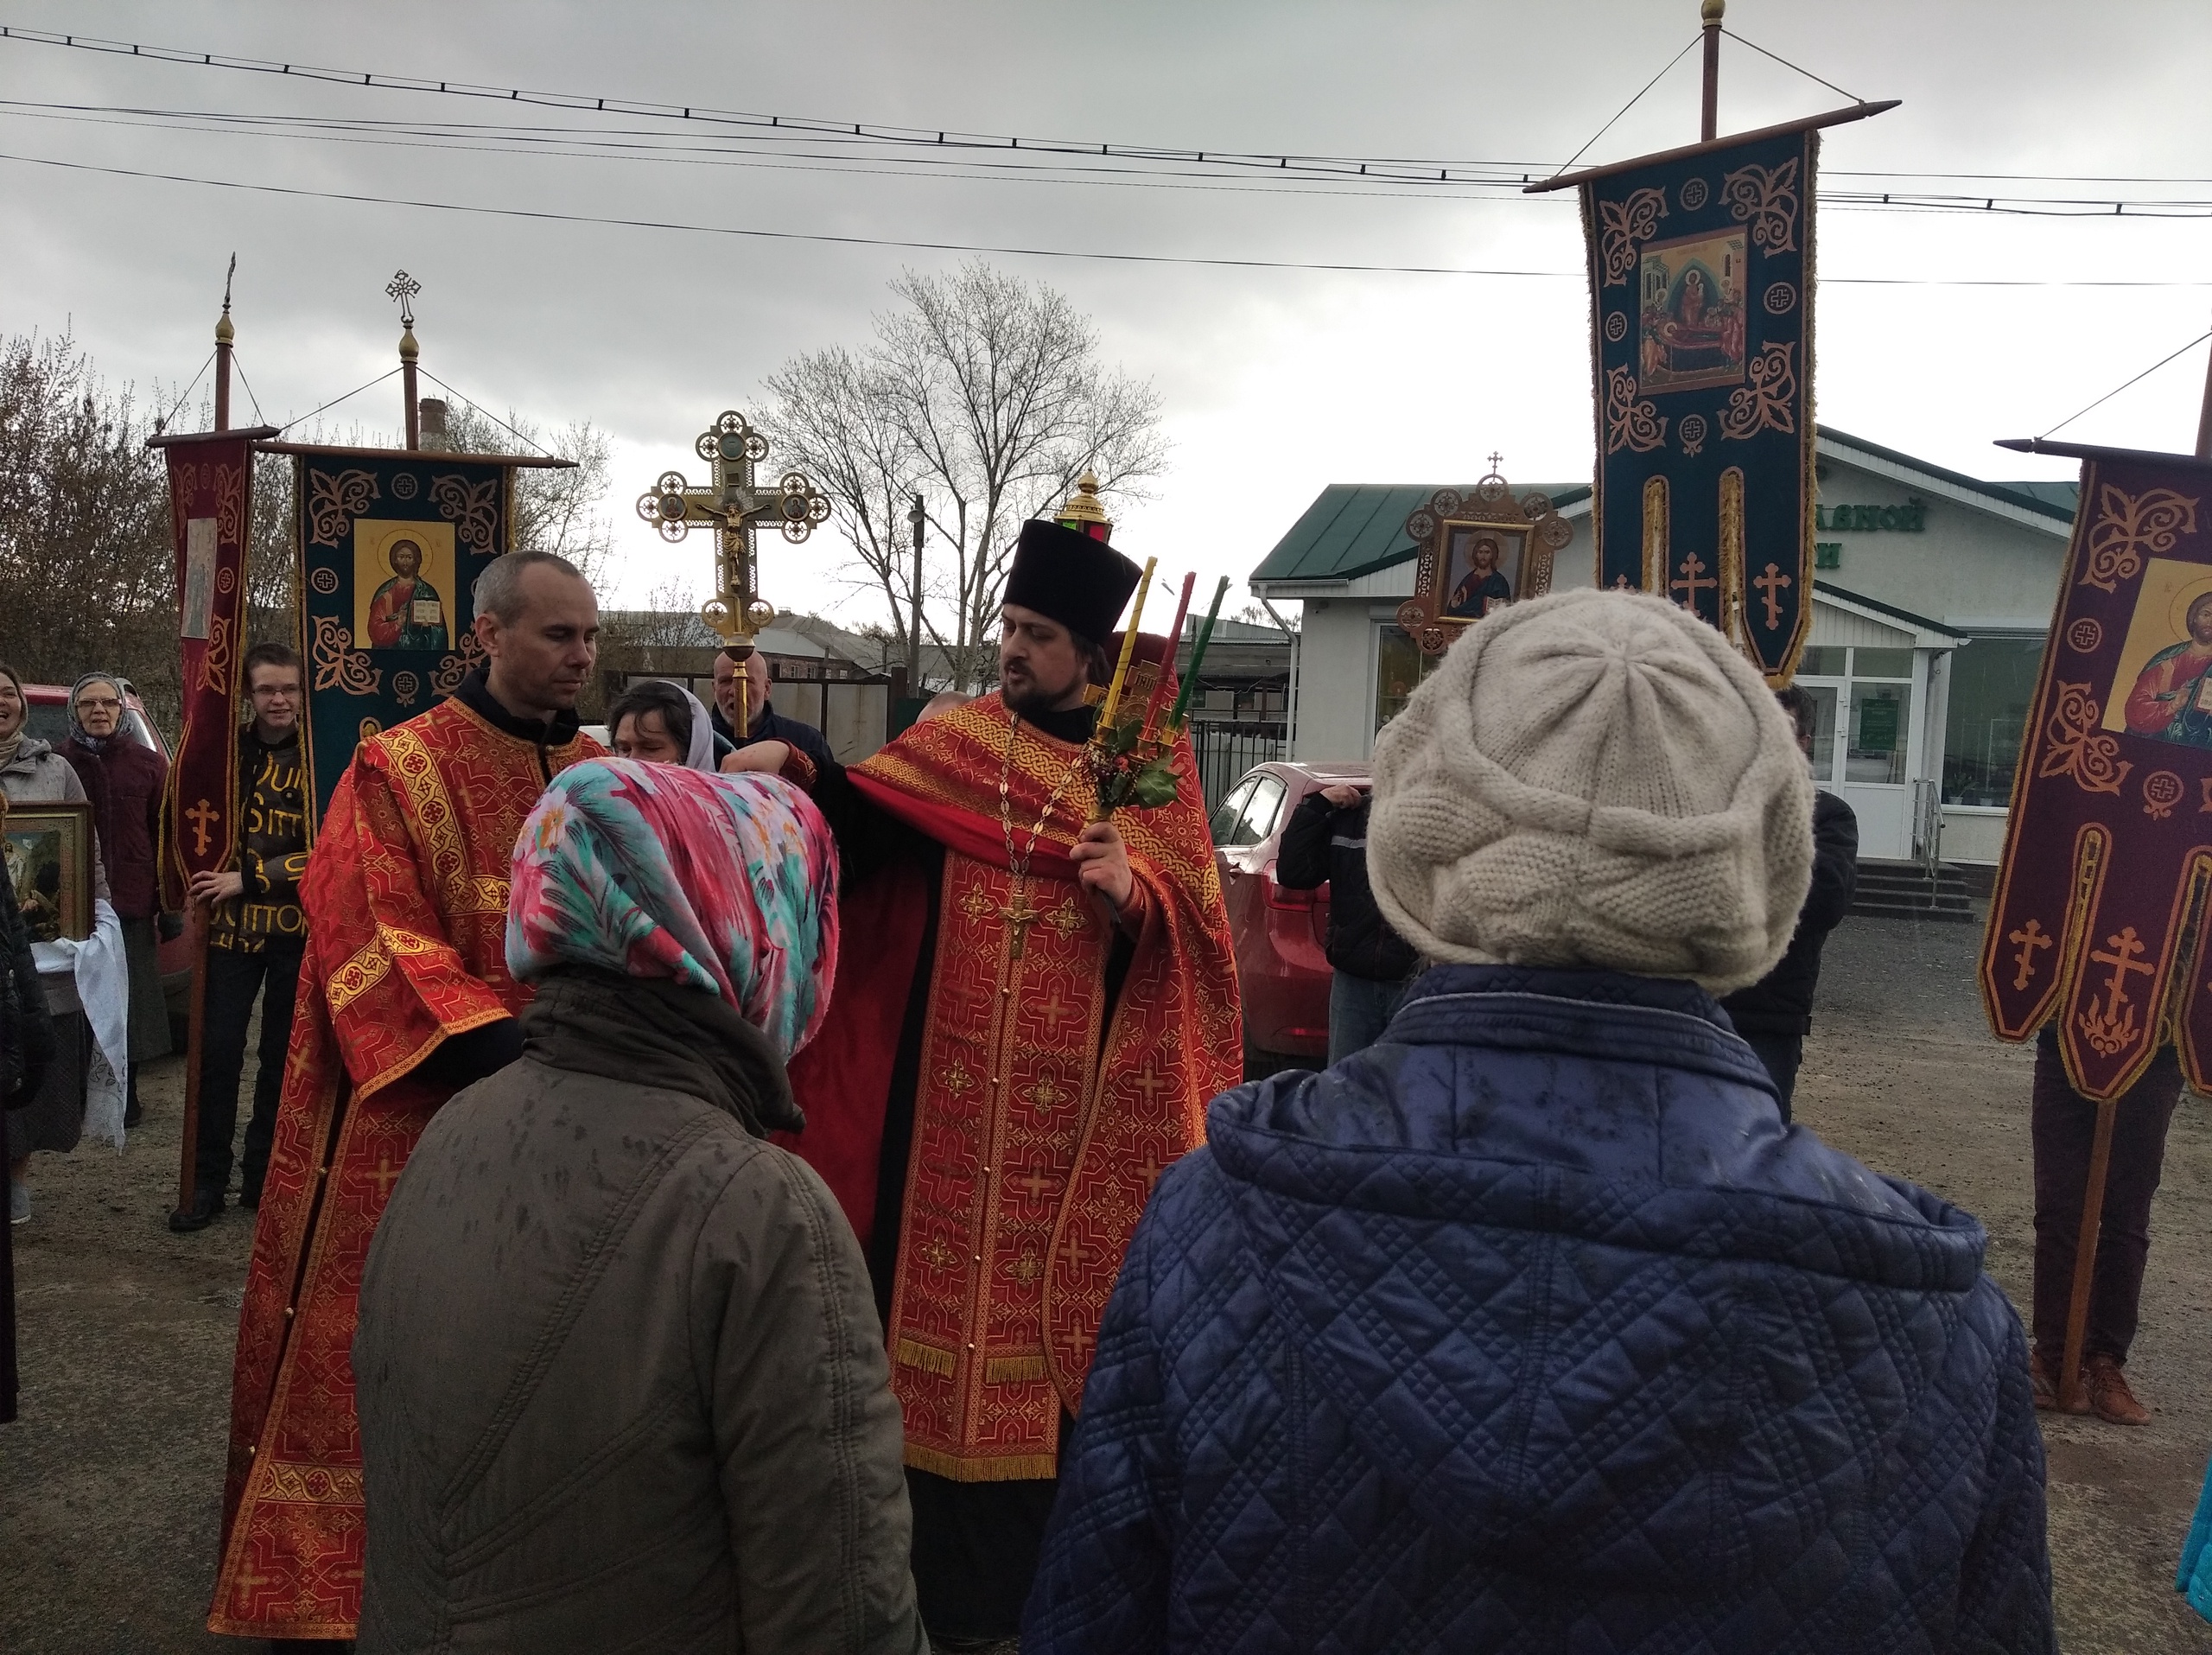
(1133, 761)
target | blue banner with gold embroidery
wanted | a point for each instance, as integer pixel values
(390, 545)
(1701, 330)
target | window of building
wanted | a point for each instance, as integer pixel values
(1992, 683)
(1399, 665)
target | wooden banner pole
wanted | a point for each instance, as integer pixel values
(2085, 1255)
(187, 1176)
(1709, 122)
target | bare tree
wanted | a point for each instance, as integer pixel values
(87, 569)
(985, 395)
(835, 420)
(556, 510)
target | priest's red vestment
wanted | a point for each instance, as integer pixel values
(1044, 1104)
(406, 898)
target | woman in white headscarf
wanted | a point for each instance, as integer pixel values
(661, 723)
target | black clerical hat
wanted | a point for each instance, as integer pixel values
(1070, 578)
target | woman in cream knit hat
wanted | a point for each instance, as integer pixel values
(1533, 1326)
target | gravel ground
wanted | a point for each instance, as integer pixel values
(109, 1483)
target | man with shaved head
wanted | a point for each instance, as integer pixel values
(406, 999)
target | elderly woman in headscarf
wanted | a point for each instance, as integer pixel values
(123, 778)
(32, 772)
(620, 1376)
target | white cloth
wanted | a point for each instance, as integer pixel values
(1595, 779)
(101, 976)
(701, 756)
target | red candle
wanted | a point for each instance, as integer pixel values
(1167, 661)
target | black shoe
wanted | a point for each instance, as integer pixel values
(206, 1204)
(133, 1112)
(250, 1198)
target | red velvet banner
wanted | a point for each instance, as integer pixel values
(2100, 907)
(210, 505)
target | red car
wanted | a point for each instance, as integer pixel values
(1279, 934)
(47, 718)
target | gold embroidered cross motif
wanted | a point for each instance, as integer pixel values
(1770, 586)
(201, 816)
(2030, 937)
(2110, 1027)
(1056, 1011)
(1064, 919)
(938, 1256)
(1687, 581)
(2124, 947)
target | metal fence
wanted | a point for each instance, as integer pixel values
(1226, 751)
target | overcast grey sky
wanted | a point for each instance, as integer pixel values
(1274, 382)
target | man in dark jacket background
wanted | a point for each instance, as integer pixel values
(1532, 1327)
(1776, 1013)
(762, 722)
(1326, 841)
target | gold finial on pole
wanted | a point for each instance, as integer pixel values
(1709, 123)
(224, 334)
(404, 288)
(1083, 511)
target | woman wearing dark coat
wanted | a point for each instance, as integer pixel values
(622, 1384)
(26, 1048)
(123, 778)
(1532, 1327)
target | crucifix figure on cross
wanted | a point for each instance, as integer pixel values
(735, 503)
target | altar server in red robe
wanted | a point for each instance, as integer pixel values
(406, 999)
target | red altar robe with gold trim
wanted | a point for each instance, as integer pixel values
(406, 898)
(1044, 1107)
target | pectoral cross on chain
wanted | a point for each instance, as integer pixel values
(1018, 913)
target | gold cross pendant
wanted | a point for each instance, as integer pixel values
(1018, 913)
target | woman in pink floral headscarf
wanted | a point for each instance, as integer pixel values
(622, 1378)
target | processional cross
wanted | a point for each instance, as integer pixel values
(735, 503)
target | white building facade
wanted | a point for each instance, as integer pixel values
(1932, 596)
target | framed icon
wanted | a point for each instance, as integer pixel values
(1480, 550)
(49, 851)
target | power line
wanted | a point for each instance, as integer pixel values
(555, 143)
(978, 149)
(547, 215)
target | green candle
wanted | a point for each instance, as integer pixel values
(1197, 654)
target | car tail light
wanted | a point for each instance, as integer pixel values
(1281, 896)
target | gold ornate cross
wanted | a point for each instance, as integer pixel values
(735, 503)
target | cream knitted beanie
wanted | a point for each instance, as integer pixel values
(1594, 778)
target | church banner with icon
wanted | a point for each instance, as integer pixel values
(2099, 914)
(211, 509)
(1701, 332)
(390, 545)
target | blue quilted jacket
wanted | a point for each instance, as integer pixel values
(1531, 1328)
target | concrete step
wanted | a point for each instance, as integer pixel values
(1906, 890)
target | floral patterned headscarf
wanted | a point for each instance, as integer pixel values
(725, 884)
